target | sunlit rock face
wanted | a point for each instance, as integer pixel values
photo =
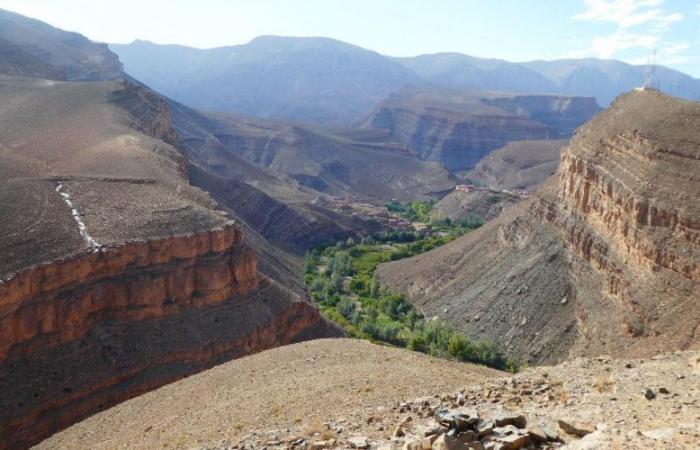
(603, 259)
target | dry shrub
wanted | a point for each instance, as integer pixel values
(316, 427)
(604, 383)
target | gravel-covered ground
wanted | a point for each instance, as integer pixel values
(281, 388)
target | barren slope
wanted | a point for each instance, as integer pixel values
(30, 48)
(331, 161)
(460, 205)
(458, 127)
(604, 259)
(81, 135)
(278, 388)
(520, 165)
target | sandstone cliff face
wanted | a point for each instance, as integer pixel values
(82, 334)
(60, 301)
(457, 145)
(604, 259)
(460, 127)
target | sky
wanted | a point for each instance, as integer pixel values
(515, 30)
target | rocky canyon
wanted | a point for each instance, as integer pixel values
(602, 259)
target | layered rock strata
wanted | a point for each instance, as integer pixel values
(604, 259)
(82, 334)
(459, 127)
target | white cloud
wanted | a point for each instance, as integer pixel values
(609, 46)
(628, 13)
(640, 25)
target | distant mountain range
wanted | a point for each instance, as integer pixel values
(326, 81)
(308, 79)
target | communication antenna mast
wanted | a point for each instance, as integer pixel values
(651, 82)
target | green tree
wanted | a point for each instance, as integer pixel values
(417, 343)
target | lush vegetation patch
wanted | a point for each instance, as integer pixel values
(413, 211)
(341, 279)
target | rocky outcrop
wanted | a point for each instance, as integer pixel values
(85, 333)
(604, 259)
(561, 113)
(588, 403)
(37, 303)
(460, 127)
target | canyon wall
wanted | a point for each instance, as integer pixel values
(604, 259)
(456, 144)
(84, 333)
(459, 127)
(118, 275)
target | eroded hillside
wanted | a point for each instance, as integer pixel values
(603, 259)
(112, 263)
(520, 165)
(30, 48)
(458, 127)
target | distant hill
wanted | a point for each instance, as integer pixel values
(602, 79)
(307, 79)
(458, 126)
(30, 48)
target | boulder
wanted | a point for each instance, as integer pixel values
(575, 428)
(445, 442)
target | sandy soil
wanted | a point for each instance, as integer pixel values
(283, 387)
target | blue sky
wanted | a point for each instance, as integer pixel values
(516, 30)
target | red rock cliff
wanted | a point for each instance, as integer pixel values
(82, 334)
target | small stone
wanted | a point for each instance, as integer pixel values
(359, 442)
(485, 427)
(507, 430)
(412, 445)
(436, 431)
(649, 394)
(663, 390)
(505, 417)
(551, 434)
(577, 429)
(445, 442)
(319, 445)
(467, 436)
(537, 435)
(514, 441)
(563, 301)
(427, 442)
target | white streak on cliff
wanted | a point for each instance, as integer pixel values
(81, 225)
